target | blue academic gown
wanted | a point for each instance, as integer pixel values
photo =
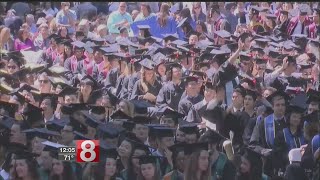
(155, 29)
(181, 34)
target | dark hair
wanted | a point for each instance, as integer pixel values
(255, 169)
(32, 170)
(147, 6)
(59, 32)
(130, 172)
(53, 102)
(203, 26)
(185, 13)
(20, 35)
(67, 173)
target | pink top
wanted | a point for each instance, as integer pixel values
(27, 45)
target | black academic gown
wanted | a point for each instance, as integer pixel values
(170, 95)
(111, 80)
(186, 103)
(70, 72)
(132, 80)
(152, 89)
(196, 112)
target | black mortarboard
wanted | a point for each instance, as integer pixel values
(284, 12)
(191, 148)
(108, 151)
(90, 120)
(178, 42)
(97, 109)
(34, 113)
(80, 136)
(245, 56)
(252, 156)
(53, 148)
(140, 107)
(164, 132)
(89, 80)
(223, 34)
(109, 131)
(146, 159)
(147, 63)
(143, 27)
(170, 37)
(79, 33)
(315, 41)
(27, 155)
(68, 91)
(271, 16)
(212, 137)
(174, 115)
(41, 133)
(188, 79)
(11, 108)
(71, 108)
(313, 96)
(278, 93)
(253, 94)
(118, 114)
(189, 128)
(139, 119)
(260, 61)
(312, 117)
(78, 45)
(56, 125)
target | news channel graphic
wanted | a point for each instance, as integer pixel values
(85, 151)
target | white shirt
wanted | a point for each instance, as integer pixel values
(298, 28)
(4, 174)
(51, 11)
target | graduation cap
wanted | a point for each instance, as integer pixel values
(68, 90)
(24, 154)
(188, 79)
(109, 131)
(143, 27)
(148, 159)
(139, 119)
(80, 33)
(223, 34)
(255, 10)
(189, 128)
(271, 16)
(161, 132)
(53, 148)
(284, 12)
(313, 96)
(90, 120)
(212, 137)
(147, 63)
(78, 45)
(108, 151)
(260, 61)
(80, 136)
(56, 125)
(89, 80)
(195, 147)
(303, 11)
(170, 37)
(253, 156)
(71, 108)
(315, 41)
(278, 93)
(118, 114)
(41, 133)
(172, 114)
(11, 108)
(140, 107)
(244, 56)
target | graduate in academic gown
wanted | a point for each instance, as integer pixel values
(171, 91)
(148, 87)
(313, 29)
(159, 25)
(85, 67)
(193, 95)
(298, 24)
(71, 63)
(49, 55)
(289, 138)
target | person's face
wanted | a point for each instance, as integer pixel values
(44, 83)
(199, 28)
(266, 93)
(12, 67)
(197, 8)
(46, 160)
(283, 18)
(279, 106)
(15, 133)
(103, 20)
(70, 99)
(261, 67)
(110, 167)
(124, 149)
(122, 7)
(57, 166)
(78, 53)
(135, 158)
(67, 134)
(313, 107)
(248, 102)
(237, 99)
(240, 6)
(48, 5)
(176, 73)
(64, 32)
(141, 131)
(85, 89)
(144, 9)
(221, 41)
(292, 68)
(209, 94)
(162, 69)
(103, 32)
(44, 32)
(98, 56)
(245, 166)
(191, 138)
(315, 17)
(123, 107)
(167, 141)
(307, 71)
(167, 121)
(247, 42)
(180, 136)
(287, 6)
(46, 105)
(193, 40)
(295, 119)
(148, 170)
(192, 88)
(302, 18)
(67, 50)
(22, 168)
(91, 132)
(203, 161)
(37, 145)
(149, 75)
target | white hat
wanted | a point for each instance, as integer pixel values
(295, 155)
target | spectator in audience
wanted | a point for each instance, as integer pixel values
(30, 21)
(197, 14)
(119, 19)
(145, 12)
(49, 9)
(42, 41)
(66, 17)
(23, 42)
(86, 10)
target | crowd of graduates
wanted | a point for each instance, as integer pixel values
(172, 91)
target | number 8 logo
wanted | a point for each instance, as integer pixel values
(87, 147)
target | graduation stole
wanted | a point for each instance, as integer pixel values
(269, 129)
(292, 24)
(315, 143)
(312, 30)
(217, 26)
(88, 65)
(103, 69)
(74, 63)
(289, 138)
(221, 161)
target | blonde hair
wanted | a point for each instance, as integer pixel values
(143, 84)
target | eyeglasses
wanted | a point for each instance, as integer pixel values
(43, 81)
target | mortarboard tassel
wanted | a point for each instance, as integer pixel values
(108, 118)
